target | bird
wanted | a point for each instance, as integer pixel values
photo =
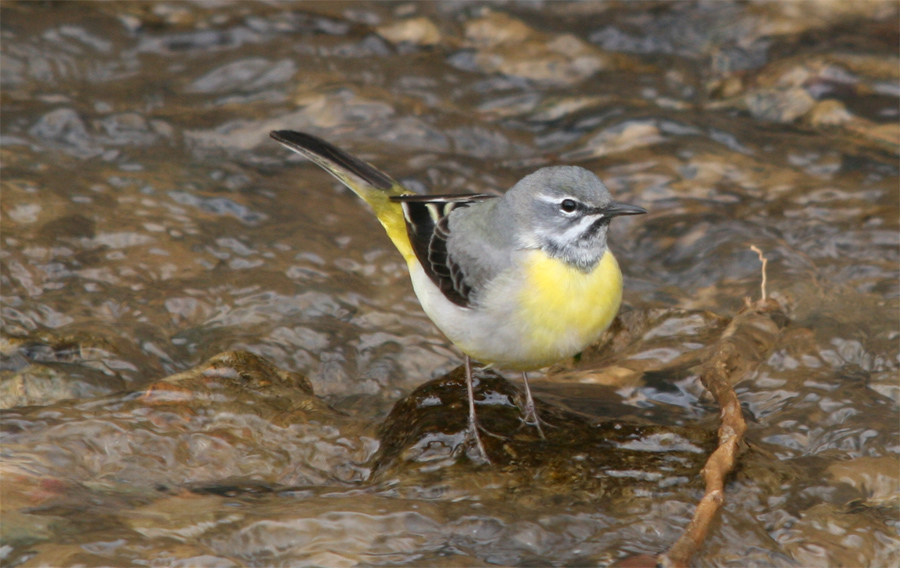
(516, 281)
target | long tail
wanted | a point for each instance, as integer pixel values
(371, 184)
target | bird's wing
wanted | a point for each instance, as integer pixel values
(427, 223)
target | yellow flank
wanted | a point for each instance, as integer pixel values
(391, 216)
(388, 212)
(564, 309)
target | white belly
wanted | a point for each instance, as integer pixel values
(520, 327)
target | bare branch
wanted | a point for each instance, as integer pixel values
(744, 344)
(764, 261)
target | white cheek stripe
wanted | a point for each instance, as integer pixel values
(572, 233)
(568, 236)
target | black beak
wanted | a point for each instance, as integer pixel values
(615, 209)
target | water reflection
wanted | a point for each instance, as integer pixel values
(148, 225)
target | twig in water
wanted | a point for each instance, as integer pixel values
(744, 344)
(764, 261)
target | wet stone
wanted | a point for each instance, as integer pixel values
(44, 368)
(503, 44)
(238, 376)
(426, 432)
(147, 222)
(197, 427)
(418, 31)
(69, 226)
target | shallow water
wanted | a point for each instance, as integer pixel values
(149, 224)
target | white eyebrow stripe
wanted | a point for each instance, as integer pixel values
(557, 200)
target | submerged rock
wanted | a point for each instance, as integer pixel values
(236, 418)
(43, 368)
(426, 432)
(242, 373)
(500, 43)
(417, 31)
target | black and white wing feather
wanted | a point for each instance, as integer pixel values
(427, 224)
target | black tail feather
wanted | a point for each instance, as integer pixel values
(308, 144)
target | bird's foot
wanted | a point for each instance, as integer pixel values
(530, 418)
(529, 412)
(473, 438)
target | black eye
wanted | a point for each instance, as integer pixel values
(568, 205)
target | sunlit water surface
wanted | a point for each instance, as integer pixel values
(148, 224)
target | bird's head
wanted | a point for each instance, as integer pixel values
(565, 211)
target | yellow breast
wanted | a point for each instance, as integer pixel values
(564, 309)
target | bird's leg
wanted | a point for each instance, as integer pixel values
(530, 412)
(473, 422)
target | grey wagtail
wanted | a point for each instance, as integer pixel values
(517, 282)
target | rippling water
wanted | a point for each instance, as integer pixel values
(149, 224)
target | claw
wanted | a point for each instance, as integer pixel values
(530, 415)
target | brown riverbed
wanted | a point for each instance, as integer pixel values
(150, 229)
